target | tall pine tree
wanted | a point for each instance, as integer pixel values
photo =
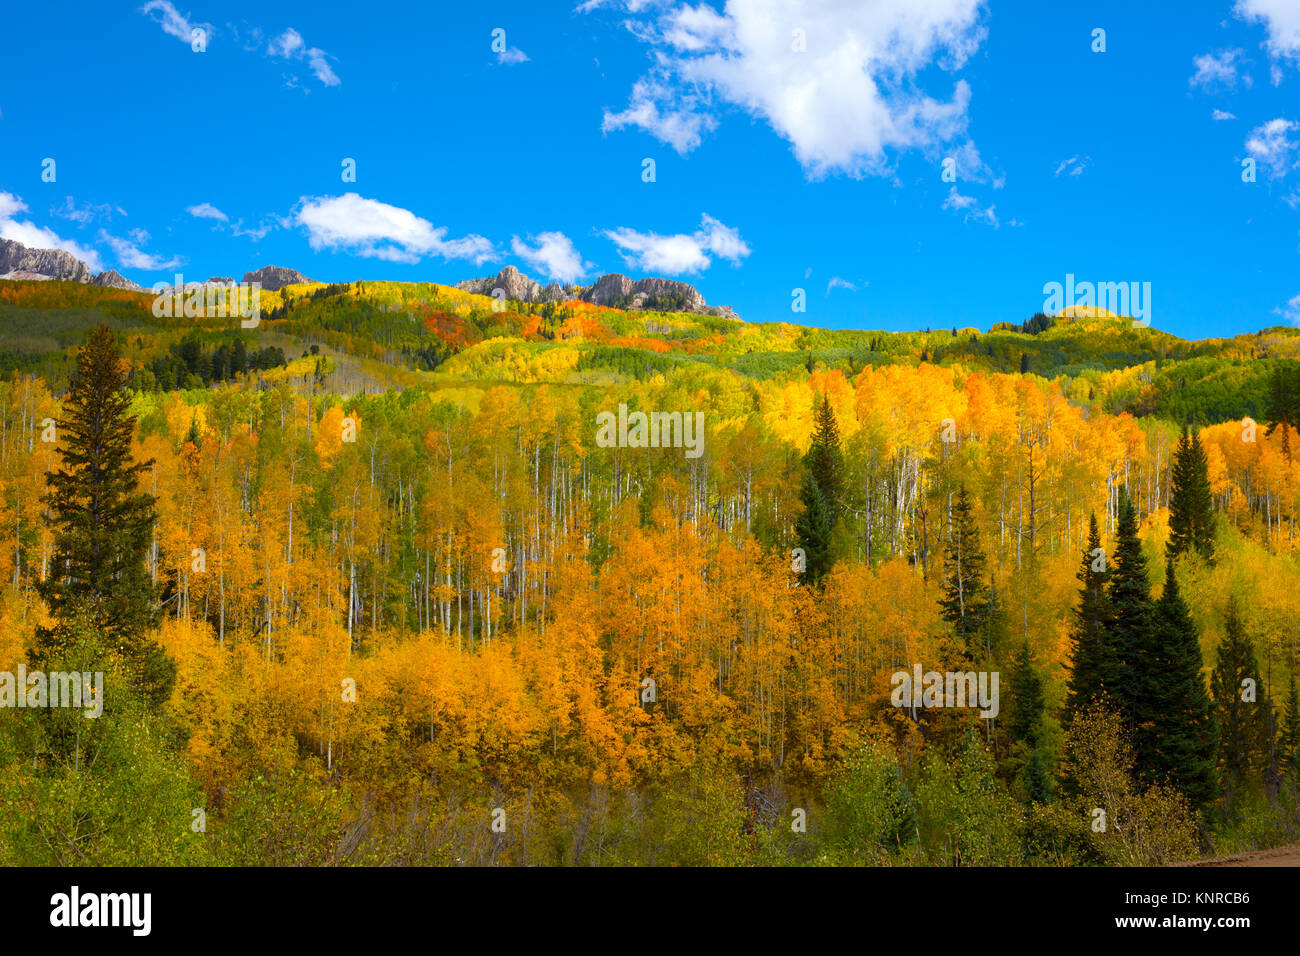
(1131, 618)
(1025, 728)
(1241, 705)
(822, 493)
(965, 593)
(1175, 738)
(1095, 664)
(825, 458)
(813, 530)
(1191, 503)
(102, 526)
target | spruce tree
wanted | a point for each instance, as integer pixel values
(965, 594)
(1095, 664)
(1290, 743)
(1239, 706)
(1191, 503)
(102, 527)
(825, 459)
(813, 530)
(1131, 617)
(1025, 727)
(1175, 739)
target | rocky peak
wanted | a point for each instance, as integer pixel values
(114, 280)
(54, 263)
(614, 290)
(275, 278)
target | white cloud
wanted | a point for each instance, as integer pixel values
(680, 253)
(1290, 311)
(1282, 20)
(85, 214)
(291, 46)
(1074, 166)
(38, 237)
(511, 56)
(205, 210)
(680, 126)
(376, 230)
(237, 229)
(171, 21)
(1222, 115)
(130, 256)
(970, 208)
(1216, 70)
(838, 283)
(845, 102)
(554, 256)
(1269, 146)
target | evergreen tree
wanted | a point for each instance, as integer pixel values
(1191, 504)
(1024, 363)
(1239, 704)
(1290, 743)
(1175, 737)
(813, 530)
(965, 595)
(1095, 664)
(1131, 618)
(102, 526)
(825, 459)
(1025, 727)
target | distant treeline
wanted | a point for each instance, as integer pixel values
(191, 364)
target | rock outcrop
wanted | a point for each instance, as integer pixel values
(275, 278)
(52, 263)
(613, 290)
(114, 280)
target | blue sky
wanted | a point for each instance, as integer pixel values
(796, 144)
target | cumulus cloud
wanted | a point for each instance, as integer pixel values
(1282, 20)
(291, 46)
(1270, 147)
(1220, 115)
(553, 255)
(1217, 70)
(970, 209)
(511, 56)
(376, 230)
(838, 79)
(131, 256)
(681, 253)
(172, 22)
(39, 237)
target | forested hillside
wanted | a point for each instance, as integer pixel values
(408, 609)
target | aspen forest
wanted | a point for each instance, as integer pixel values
(392, 589)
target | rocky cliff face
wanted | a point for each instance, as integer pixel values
(275, 278)
(114, 280)
(54, 263)
(614, 290)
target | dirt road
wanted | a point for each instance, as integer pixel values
(1281, 856)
